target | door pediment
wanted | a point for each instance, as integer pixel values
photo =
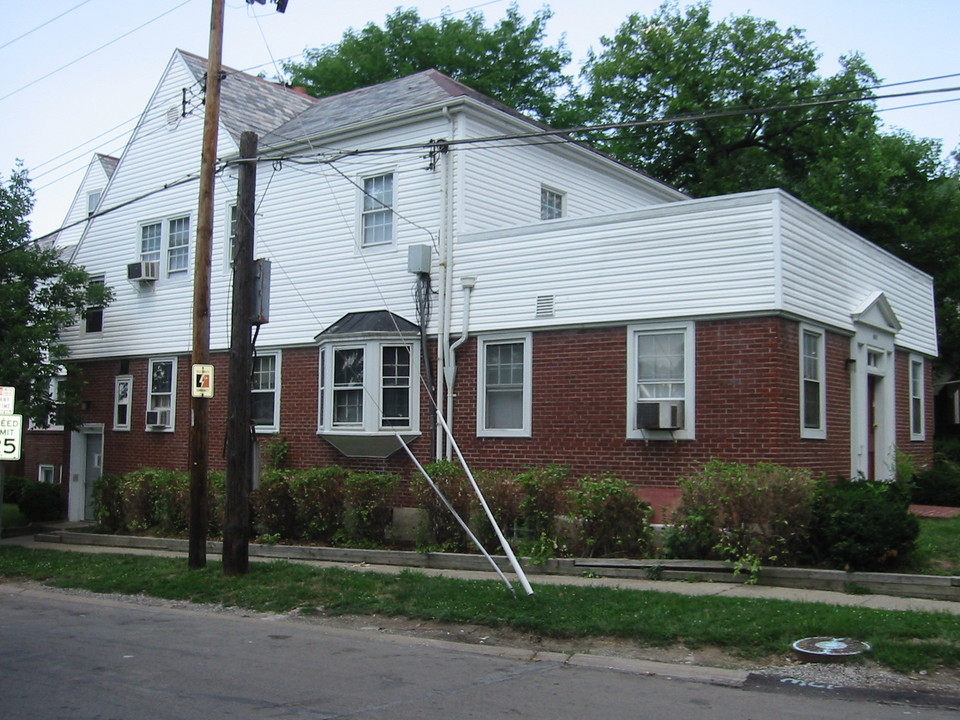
(876, 312)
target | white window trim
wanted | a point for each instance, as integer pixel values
(688, 431)
(173, 393)
(526, 429)
(163, 269)
(98, 279)
(116, 402)
(818, 433)
(361, 194)
(372, 388)
(229, 235)
(917, 361)
(563, 202)
(273, 427)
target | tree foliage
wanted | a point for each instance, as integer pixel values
(508, 62)
(41, 295)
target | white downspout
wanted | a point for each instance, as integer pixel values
(451, 368)
(445, 291)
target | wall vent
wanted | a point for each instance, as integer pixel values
(173, 116)
(545, 306)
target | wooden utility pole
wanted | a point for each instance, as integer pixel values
(236, 522)
(199, 429)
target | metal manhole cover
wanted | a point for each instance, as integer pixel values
(829, 649)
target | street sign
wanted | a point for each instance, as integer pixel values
(202, 386)
(6, 400)
(11, 428)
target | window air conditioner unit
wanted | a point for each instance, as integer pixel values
(660, 415)
(143, 271)
(158, 418)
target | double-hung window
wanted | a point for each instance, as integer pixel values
(376, 210)
(166, 244)
(122, 402)
(504, 384)
(162, 394)
(265, 392)
(813, 422)
(660, 381)
(369, 387)
(93, 316)
(917, 428)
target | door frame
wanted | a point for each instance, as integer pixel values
(77, 493)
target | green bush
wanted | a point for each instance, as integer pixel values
(440, 528)
(940, 485)
(862, 525)
(611, 519)
(749, 514)
(107, 502)
(41, 502)
(318, 502)
(12, 488)
(273, 510)
(369, 511)
(503, 495)
(544, 498)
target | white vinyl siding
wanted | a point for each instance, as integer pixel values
(504, 386)
(917, 403)
(813, 419)
(661, 375)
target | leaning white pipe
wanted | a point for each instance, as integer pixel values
(446, 503)
(496, 528)
(450, 371)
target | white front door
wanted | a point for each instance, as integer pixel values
(86, 467)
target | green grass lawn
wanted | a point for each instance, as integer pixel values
(750, 628)
(938, 547)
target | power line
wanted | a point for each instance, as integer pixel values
(95, 50)
(43, 25)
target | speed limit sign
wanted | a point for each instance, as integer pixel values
(11, 427)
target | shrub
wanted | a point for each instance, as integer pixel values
(503, 495)
(369, 511)
(747, 514)
(611, 519)
(440, 528)
(862, 524)
(41, 501)
(107, 502)
(12, 488)
(272, 507)
(543, 500)
(940, 485)
(317, 495)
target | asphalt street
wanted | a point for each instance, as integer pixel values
(76, 656)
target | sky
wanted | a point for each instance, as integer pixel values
(78, 73)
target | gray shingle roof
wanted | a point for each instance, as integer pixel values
(248, 102)
(108, 163)
(378, 101)
(373, 321)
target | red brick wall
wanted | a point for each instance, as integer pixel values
(921, 451)
(747, 409)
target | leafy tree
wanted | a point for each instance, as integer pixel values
(508, 62)
(41, 295)
(672, 65)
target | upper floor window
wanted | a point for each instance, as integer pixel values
(504, 385)
(166, 241)
(660, 380)
(917, 428)
(93, 316)
(162, 394)
(93, 199)
(813, 422)
(551, 203)
(369, 386)
(265, 392)
(376, 224)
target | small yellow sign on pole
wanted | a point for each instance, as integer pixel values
(202, 386)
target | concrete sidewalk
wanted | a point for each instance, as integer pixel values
(680, 587)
